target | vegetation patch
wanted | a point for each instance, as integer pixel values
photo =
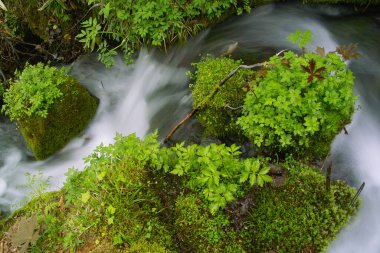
(115, 205)
(301, 216)
(50, 107)
(302, 102)
(219, 114)
(150, 23)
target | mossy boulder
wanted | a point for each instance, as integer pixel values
(199, 231)
(218, 114)
(50, 107)
(300, 216)
(65, 120)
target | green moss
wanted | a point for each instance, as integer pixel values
(199, 231)
(301, 216)
(219, 113)
(41, 17)
(66, 119)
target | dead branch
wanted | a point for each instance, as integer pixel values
(221, 83)
(188, 116)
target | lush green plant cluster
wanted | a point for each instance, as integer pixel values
(218, 114)
(119, 204)
(215, 170)
(112, 200)
(50, 107)
(300, 216)
(37, 87)
(158, 23)
(301, 102)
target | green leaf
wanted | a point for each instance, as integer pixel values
(106, 10)
(85, 197)
(252, 179)
(264, 170)
(243, 177)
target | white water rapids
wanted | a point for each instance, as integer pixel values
(152, 94)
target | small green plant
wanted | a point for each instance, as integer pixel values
(50, 107)
(220, 113)
(37, 87)
(216, 171)
(302, 102)
(150, 23)
(36, 184)
(302, 38)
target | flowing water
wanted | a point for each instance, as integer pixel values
(152, 94)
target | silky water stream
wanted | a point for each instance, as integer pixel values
(152, 94)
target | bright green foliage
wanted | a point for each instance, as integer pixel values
(112, 200)
(301, 103)
(37, 87)
(50, 107)
(300, 216)
(218, 114)
(301, 38)
(133, 24)
(198, 231)
(117, 204)
(216, 171)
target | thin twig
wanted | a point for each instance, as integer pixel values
(357, 194)
(328, 177)
(281, 51)
(233, 108)
(324, 162)
(180, 124)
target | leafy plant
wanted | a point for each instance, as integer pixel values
(300, 104)
(35, 90)
(219, 114)
(36, 184)
(150, 23)
(215, 170)
(302, 38)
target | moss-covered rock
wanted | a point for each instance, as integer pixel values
(218, 113)
(66, 119)
(301, 216)
(199, 231)
(50, 106)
